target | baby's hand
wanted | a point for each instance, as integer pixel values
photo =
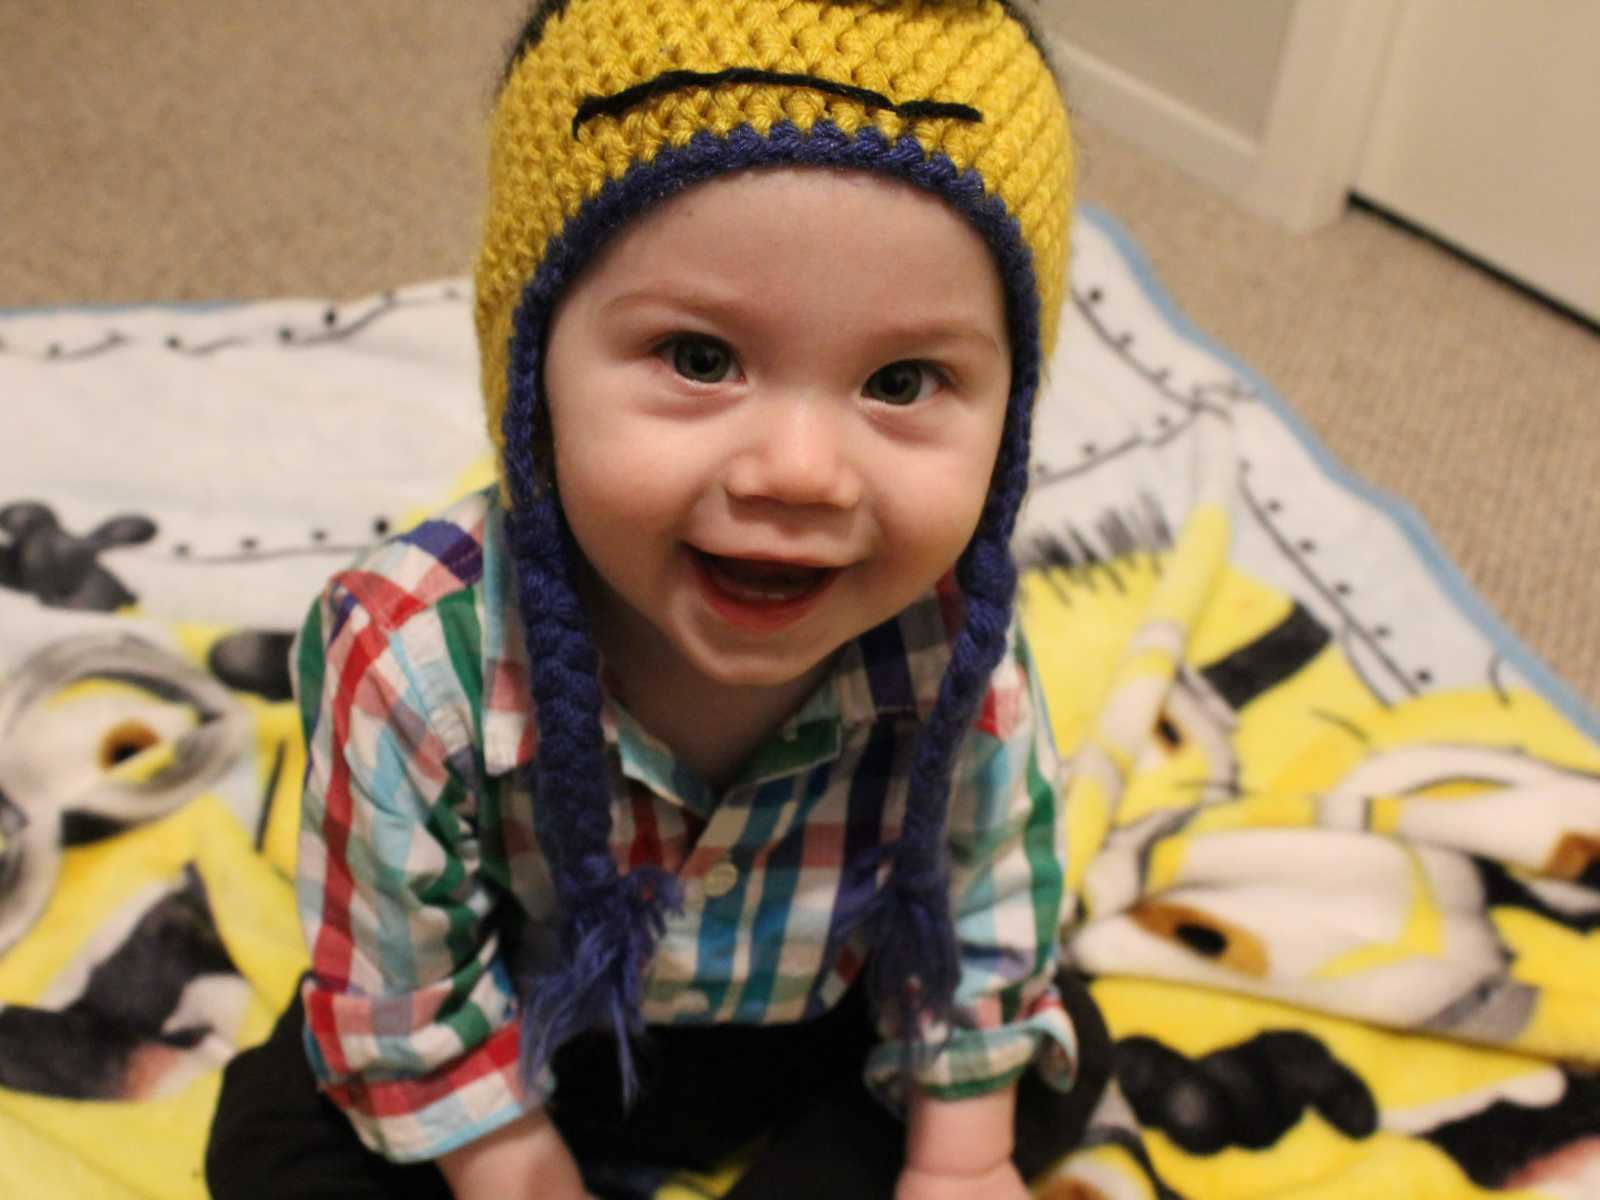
(1000, 1183)
(961, 1149)
(524, 1158)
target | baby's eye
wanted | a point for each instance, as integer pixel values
(701, 359)
(900, 383)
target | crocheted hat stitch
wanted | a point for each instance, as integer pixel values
(608, 107)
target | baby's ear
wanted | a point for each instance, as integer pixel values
(122, 531)
(24, 517)
(254, 660)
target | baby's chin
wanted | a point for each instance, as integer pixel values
(762, 673)
(768, 678)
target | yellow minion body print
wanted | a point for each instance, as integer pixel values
(143, 936)
(1344, 930)
(599, 89)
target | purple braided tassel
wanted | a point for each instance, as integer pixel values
(915, 966)
(600, 983)
(611, 922)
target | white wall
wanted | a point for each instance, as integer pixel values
(1267, 100)
(1220, 57)
(1485, 133)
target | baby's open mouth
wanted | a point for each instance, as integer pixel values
(754, 581)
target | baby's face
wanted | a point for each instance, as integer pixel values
(776, 401)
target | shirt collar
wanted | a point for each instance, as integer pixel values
(892, 670)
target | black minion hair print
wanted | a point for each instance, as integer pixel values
(542, 12)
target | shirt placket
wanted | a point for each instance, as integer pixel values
(702, 957)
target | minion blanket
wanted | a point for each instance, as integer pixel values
(1334, 835)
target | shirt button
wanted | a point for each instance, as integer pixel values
(721, 879)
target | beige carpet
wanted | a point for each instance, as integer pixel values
(185, 149)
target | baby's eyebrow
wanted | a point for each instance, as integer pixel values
(937, 332)
(672, 81)
(712, 303)
(701, 299)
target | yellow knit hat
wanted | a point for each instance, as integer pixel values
(600, 88)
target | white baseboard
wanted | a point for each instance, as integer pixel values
(1156, 121)
(1298, 174)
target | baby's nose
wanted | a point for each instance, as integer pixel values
(798, 453)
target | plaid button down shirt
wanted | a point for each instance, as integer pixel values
(418, 852)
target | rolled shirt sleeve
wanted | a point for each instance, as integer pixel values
(1007, 879)
(410, 1014)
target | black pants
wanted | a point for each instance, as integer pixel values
(708, 1090)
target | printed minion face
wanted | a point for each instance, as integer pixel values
(691, 88)
(99, 733)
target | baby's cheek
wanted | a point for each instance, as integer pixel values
(616, 488)
(939, 514)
